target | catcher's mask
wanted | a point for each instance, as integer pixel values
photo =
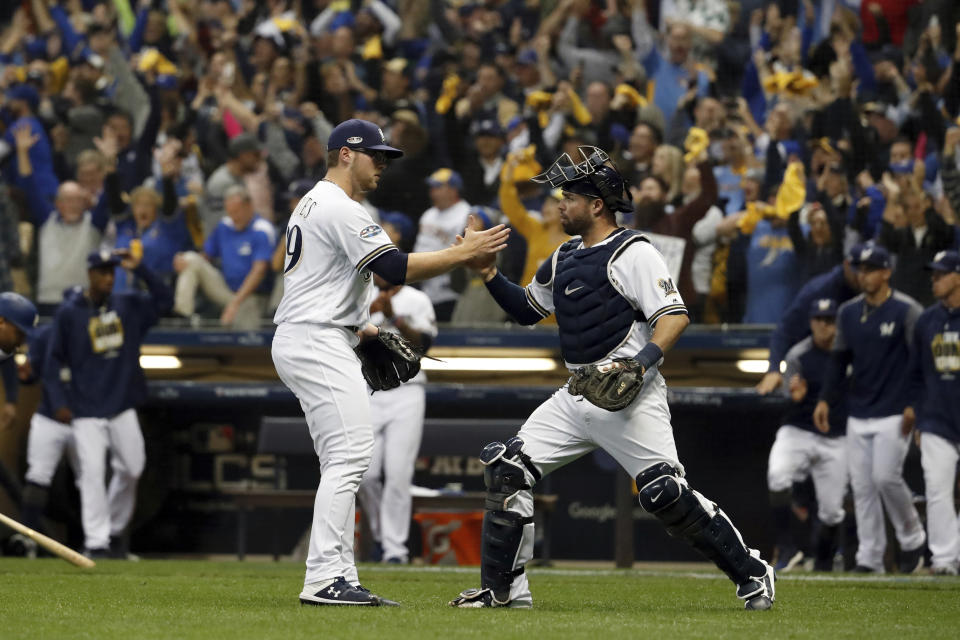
(595, 177)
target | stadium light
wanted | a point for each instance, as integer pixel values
(488, 364)
(160, 362)
(752, 366)
(757, 366)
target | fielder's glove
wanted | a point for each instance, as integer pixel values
(611, 387)
(388, 360)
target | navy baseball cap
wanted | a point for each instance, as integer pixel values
(823, 308)
(102, 258)
(874, 256)
(946, 261)
(25, 92)
(853, 253)
(486, 127)
(445, 176)
(360, 134)
(18, 311)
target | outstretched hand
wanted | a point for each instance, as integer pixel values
(482, 245)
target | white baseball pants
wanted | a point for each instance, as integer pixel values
(318, 364)
(106, 511)
(47, 442)
(385, 489)
(876, 450)
(566, 427)
(797, 452)
(939, 458)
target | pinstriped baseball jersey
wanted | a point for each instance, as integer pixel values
(330, 242)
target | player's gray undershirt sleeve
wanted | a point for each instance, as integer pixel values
(910, 322)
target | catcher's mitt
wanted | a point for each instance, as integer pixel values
(611, 387)
(388, 360)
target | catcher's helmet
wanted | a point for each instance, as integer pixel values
(595, 177)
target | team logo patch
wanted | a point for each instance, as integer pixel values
(354, 140)
(667, 286)
(369, 232)
(382, 137)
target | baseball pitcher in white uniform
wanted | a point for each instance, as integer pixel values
(333, 247)
(617, 311)
(397, 422)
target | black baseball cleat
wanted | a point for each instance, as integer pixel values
(912, 561)
(98, 554)
(758, 593)
(860, 568)
(341, 592)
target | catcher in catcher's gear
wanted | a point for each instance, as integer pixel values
(617, 312)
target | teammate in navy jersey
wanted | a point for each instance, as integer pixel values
(875, 336)
(18, 317)
(935, 374)
(48, 439)
(93, 375)
(800, 448)
(840, 284)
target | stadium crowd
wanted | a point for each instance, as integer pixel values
(761, 139)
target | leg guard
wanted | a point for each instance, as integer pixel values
(502, 535)
(505, 473)
(705, 527)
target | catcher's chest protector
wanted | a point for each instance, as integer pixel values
(593, 317)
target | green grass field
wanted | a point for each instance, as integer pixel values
(201, 599)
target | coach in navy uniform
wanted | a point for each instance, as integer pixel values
(94, 354)
(875, 336)
(936, 387)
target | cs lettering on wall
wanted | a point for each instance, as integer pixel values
(210, 462)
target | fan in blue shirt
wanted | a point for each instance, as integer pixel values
(243, 243)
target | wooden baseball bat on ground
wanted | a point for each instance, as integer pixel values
(49, 544)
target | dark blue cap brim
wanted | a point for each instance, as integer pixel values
(390, 151)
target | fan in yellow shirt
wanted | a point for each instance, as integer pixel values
(543, 234)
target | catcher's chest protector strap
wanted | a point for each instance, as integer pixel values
(668, 497)
(593, 317)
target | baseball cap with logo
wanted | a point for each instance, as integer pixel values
(360, 134)
(874, 257)
(445, 176)
(823, 308)
(102, 258)
(946, 261)
(18, 311)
